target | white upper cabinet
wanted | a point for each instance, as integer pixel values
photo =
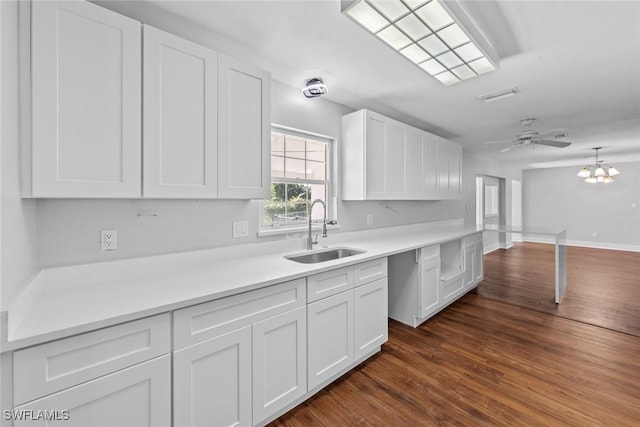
(244, 136)
(414, 159)
(82, 101)
(430, 171)
(180, 117)
(383, 159)
(449, 181)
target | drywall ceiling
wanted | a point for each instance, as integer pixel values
(576, 64)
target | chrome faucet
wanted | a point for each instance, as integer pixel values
(310, 241)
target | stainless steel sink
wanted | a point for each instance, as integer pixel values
(324, 255)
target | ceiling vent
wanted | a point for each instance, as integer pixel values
(501, 94)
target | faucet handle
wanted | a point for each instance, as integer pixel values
(315, 240)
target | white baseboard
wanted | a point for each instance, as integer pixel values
(585, 244)
(490, 248)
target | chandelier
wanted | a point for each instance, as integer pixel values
(598, 173)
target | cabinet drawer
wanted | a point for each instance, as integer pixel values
(370, 271)
(329, 283)
(429, 254)
(47, 368)
(476, 238)
(204, 321)
(139, 396)
(451, 288)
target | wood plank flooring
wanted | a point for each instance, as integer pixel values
(484, 362)
(603, 285)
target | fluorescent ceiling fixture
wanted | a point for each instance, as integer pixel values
(415, 53)
(434, 15)
(447, 78)
(392, 9)
(463, 72)
(432, 67)
(366, 16)
(421, 29)
(413, 27)
(394, 37)
(450, 60)
(468, 52)
(433, 45)
(453, 35)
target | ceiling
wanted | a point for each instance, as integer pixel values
(575, 63)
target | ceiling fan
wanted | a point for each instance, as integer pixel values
(532, 137)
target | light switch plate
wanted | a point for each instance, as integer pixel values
(240, 229)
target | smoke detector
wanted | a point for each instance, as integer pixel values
(315, 87)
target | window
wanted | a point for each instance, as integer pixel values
(300, 173)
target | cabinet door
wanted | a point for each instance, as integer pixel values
(430, 167)
(212, 381)
(455, 170)
(138, 396)
(279, 362)
(414, 156)
(180, 117)
(443, 168)
(396, 157)
(429, 292)
(478, 268)
(469, 266)
(375, 156)
(370, 316)
(330, 337)
(244, 136)
(85, 94)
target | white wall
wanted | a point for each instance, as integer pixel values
(17, 216)
(557, 198)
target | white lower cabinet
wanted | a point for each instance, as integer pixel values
(348, 325)
(330, 337)
(473, 272)
(429, 291)
(370, 317)
(139, 396)
(423, 283)
(212, 382)
(279, 362)
(414, 291)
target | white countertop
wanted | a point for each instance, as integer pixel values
(59, 302)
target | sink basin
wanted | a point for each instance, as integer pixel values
(324, 255)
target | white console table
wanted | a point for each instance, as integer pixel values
(560, 238)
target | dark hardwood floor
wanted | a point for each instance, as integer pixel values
(603, 285)
(483, 362)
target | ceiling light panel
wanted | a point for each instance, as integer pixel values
(394, 37)
(434, 15)
(422, 29)
(415, 53)
(391, 9)
(413, 27)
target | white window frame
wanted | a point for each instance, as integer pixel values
(332, 199)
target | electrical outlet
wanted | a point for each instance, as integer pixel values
(240, 229)
(108, 240)
(595, 234)
(369, 219)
